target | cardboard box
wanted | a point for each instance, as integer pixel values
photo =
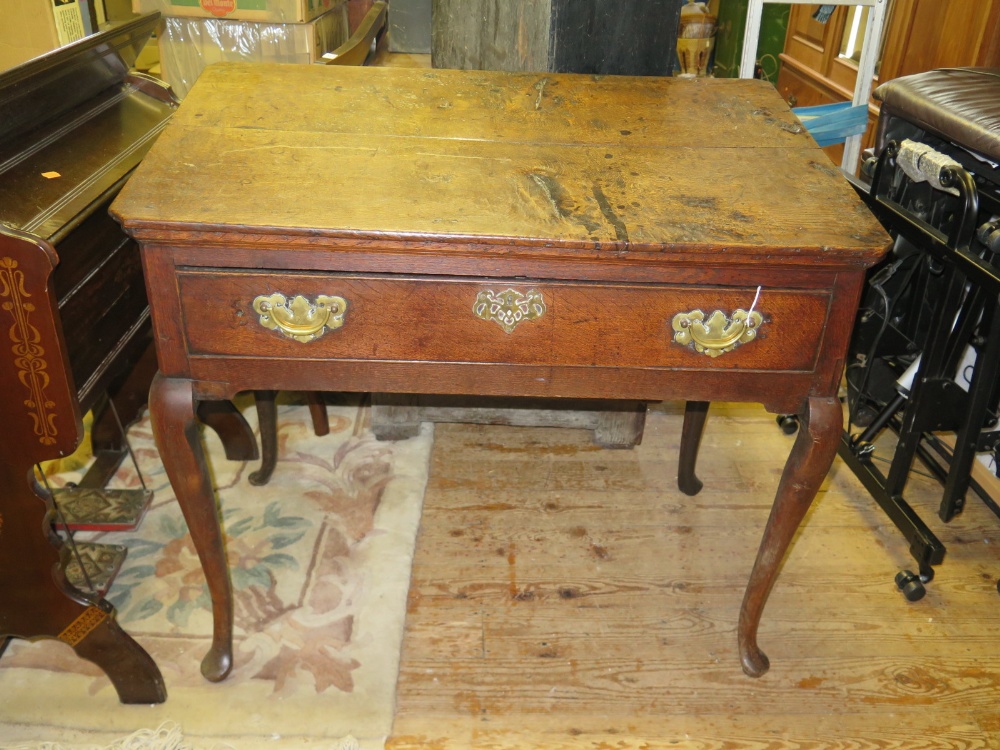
(33, 27)
(271, 11)
(188, 45)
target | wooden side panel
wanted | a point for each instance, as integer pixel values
(989, 53)
(102, 295)
(489, 35)
(40, 413)
(799, 88)
(929, 34)
(808, 39)
(171, 352)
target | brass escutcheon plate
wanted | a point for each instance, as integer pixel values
(510, 307)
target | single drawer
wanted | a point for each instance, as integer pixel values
(433, 319)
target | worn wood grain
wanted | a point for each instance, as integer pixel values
(482, 106)
(511, 35)
(570, 195)
(915, 728)
(472, 156)
(615, 424)
(578, 600)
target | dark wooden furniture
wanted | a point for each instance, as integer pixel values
(73, 125)
(607, 37)
(543, 236)
(75, 321)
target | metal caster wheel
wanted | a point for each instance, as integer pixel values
(911, 585)
(788, 423)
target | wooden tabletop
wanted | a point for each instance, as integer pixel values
(613, 163)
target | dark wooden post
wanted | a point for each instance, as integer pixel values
(606, 37)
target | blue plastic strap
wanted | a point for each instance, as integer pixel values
(833, 123)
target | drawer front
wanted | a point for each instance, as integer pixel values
(352, 317)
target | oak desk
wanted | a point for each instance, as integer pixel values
(459, 232)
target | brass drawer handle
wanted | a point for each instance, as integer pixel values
(510, 307)
(717, 335)
(299, 318)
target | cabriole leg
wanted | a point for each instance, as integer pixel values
(807, 466)
(173, 412)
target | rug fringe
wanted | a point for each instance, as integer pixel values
(167, 736)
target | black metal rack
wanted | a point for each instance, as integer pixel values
(931, 306)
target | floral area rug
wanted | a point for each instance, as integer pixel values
(320, 561)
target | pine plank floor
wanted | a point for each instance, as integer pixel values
(566, 596)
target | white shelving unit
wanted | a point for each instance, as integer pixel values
(866, 65)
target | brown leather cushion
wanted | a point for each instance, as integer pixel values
(961, 105)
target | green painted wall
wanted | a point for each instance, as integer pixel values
(729, 37)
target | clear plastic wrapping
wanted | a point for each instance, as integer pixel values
(189, 45)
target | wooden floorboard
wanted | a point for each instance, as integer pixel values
(567, 596)
(914, 730)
